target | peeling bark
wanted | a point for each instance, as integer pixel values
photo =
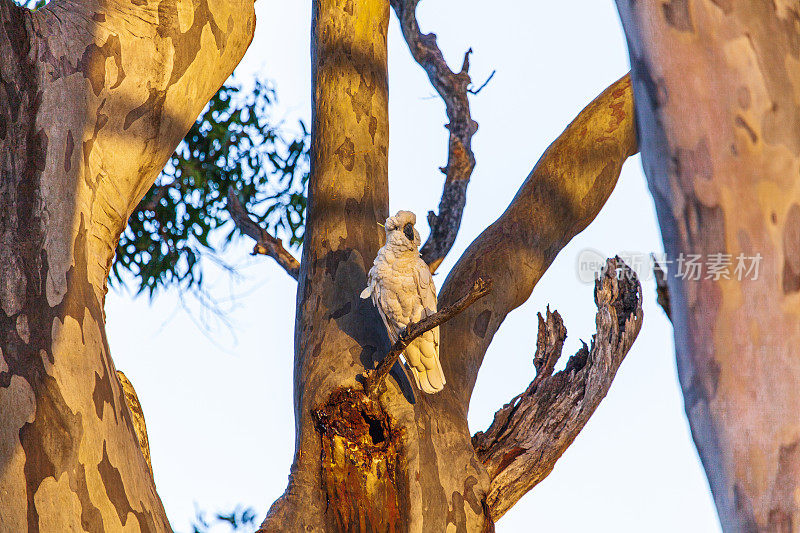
(718, 109)
(137, 415)
(94, 97)
(530, 433)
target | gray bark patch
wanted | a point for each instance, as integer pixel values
(677, 15)
(93, 63)
(12, 282)
(346, 152)
(115, 488)
(102, 394)
(68, 152)
(481, 323)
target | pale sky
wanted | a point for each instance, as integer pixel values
(218, 400)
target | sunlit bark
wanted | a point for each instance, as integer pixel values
(717, 91)
(94, 97)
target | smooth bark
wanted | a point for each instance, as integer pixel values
(718, 106)
(94, 97)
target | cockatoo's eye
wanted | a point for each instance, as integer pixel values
(408, 230)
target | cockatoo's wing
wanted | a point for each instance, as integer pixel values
(404, 293)
(422, 355)
(380, 298)
(380, 286)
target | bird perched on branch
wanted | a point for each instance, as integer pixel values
(402, 289)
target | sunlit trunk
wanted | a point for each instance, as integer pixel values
(90, 111)
(716, 90)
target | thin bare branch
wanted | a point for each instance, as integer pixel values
(531, 432)
(561, 196)
(453, 88)
(483, 85)
(374, 379)
(266, 244)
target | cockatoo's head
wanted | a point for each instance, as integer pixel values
(400, 231)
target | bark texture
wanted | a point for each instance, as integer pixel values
(337, 333)
(357, 456)
(717, 87)
(94, 97)
(532, 431)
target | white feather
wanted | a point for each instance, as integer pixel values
(402, 288)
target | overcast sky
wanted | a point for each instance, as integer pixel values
(218, 399)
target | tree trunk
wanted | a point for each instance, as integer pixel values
(94, 97)
(405, 461)
(716, 85)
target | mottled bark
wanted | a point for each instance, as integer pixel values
(453, 87)
(357, 456)
(94, 97)
(531, 432)
(718, 104)
(336, 332)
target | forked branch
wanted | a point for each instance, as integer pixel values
(374, 379)
(266, 244)
(454, 88)
(532, 431)
(561, 196)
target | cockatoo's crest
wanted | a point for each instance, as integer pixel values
(400, 232)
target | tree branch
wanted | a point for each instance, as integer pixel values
(453, 88)
(531, 432)
(561, 196)
(374, 379)
(266, 244)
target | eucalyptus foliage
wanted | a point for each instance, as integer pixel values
(183, 218)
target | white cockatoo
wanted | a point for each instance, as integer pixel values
(402, 289)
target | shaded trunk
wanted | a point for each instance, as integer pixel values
(94, 97)
(716, 89)
(405, 461)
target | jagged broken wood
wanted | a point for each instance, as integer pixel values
(374, 379)
(453, 87)
(532, 431)
(266, 244)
